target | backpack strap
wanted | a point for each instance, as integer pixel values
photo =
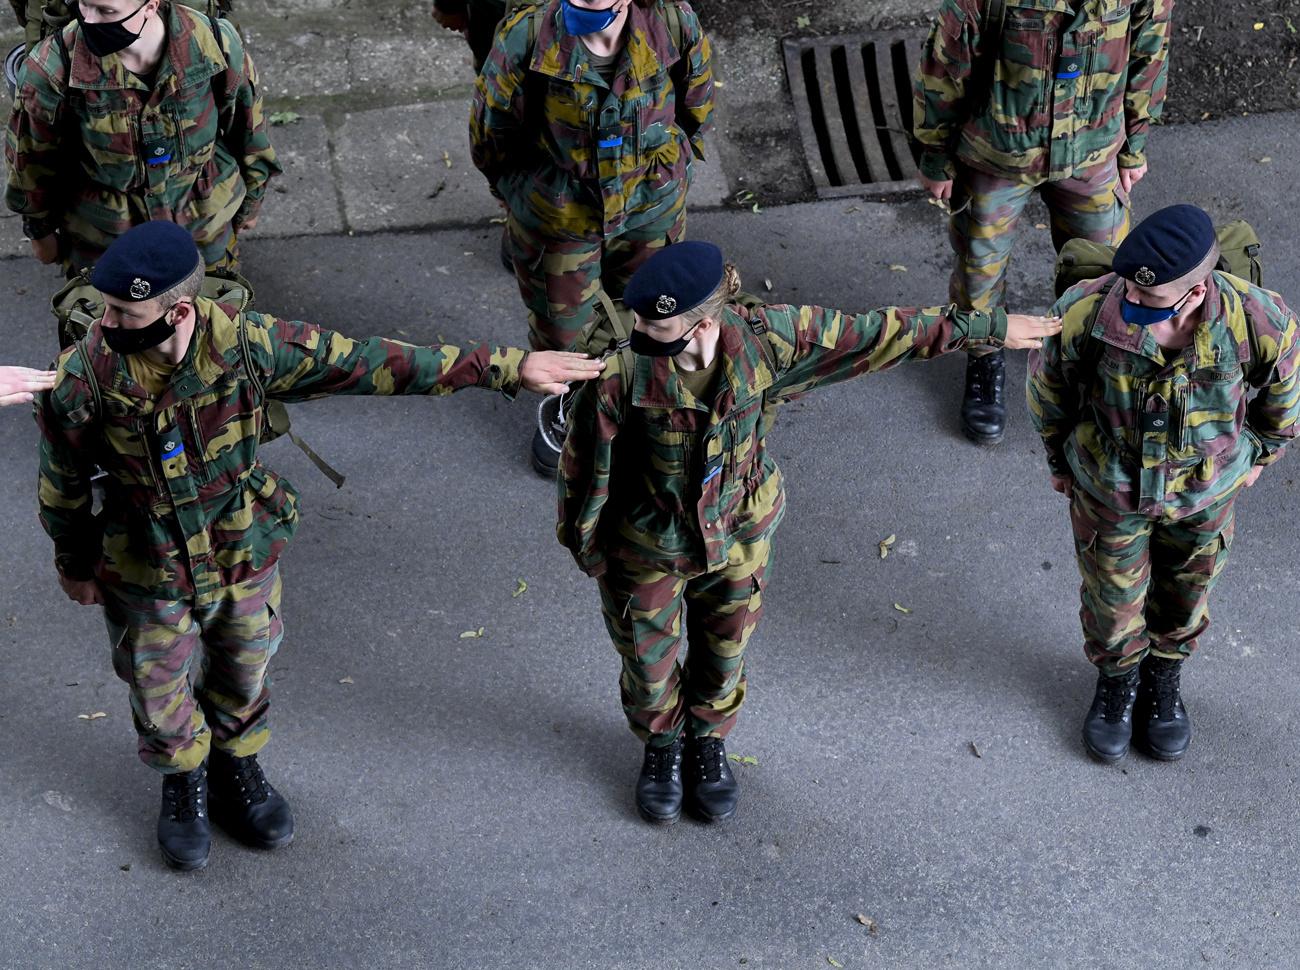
(277, 415)
(96, 397)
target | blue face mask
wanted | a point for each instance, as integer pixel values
(1146, 316)
(579, 21)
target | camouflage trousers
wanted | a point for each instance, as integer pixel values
(1146, 582)
(559, 278)
(198, 674)
(644, 611)
(986, 209)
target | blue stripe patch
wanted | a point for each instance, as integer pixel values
(160, 159)
(174, 452)
(611, 142)
(1068, 75)
(711, 476)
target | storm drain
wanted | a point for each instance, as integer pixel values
(853, 98)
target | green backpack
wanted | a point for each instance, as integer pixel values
(40, 18)
(1239, 248)
(78, 305)
(1080, 260)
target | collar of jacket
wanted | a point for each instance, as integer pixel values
(1054, 6)
(191, 55)
(213, 353)
(648, 49)
(1219, 339)
(743, 373)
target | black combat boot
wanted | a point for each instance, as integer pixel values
(712, 791)
(984, 405)
(245, 804)
(659, 787)
(548, 439)
(184, 834)
(1108, 728)
(1161, 727)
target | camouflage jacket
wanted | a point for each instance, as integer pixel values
(1166, 433)
(189, 508)
(107, 153)
(578, 158)
(675, 483)
(1071, 91)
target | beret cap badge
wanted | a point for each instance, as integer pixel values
(666, 304)
(140, 289)
(1145, 276)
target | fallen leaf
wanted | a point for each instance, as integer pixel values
(872, 926)
(279, 118)
(834, 963)
(720, 84)
(92, 717)
(472, 634)
(1204, 115)
(1040, 225)
(749, 760)
(1265, 160)
(803, 23)
(768, 284)
(975, 750)
(498, 220)
(885, 544)
(346, 680)
(520, 590)
(734, 757)
(757, 208)
(1259, 25)
(897, 268)
(446, 159)
(901, 609)
(743, 196)
(125, 868)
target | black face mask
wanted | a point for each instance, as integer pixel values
(123, 341)
(646, 345)
(105, 39)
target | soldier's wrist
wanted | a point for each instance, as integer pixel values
(936, 166)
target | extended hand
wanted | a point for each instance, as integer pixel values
(937, 189)
(1026, 333)
(19, 385)
(1062, 484)
(83, 591)
(550, 371)
(1129, 177)
(248, 225)
(1253, 477)
(46, 249)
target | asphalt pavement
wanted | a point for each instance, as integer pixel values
(467, 802)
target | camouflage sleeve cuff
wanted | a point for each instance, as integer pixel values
(34, 228)
(985, 326)
(936, 166)
(504, 371)
(1132, 159)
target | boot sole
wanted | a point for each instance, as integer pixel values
(544, 470)
(1157, 754)
(243, 838)
(708, 818)
(657, 819)
(1109, 759)
(183, 865)
(980, 439)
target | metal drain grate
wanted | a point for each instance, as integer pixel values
(853, 99)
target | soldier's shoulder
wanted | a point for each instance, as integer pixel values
(47, 64)
(200, 43)
(71, 398)
(1263, 307)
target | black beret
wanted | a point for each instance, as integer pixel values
(146, 261)
(1167, 244)
(675, 279)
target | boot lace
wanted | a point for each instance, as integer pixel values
(661, 762)
(710, 758)
(183, 796)
(247, 775)
(1114, 699)
(1165, 686)
(985, 378)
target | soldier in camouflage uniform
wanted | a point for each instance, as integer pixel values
(669, 497)
(477, 20)
(109, 132)
(1059, 99)
(1144, 406)
(588, 137)
(165, 395)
